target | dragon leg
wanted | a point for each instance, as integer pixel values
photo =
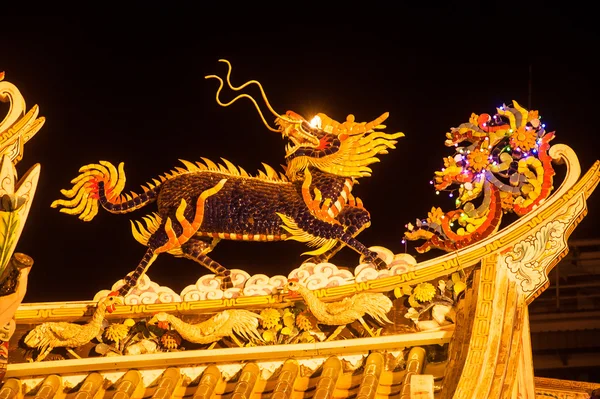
(196, 250)
(326, 235)
(170, 236)
(370, 256)
(324, 257)
(142, 267)
(354, 220)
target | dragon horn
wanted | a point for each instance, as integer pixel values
(360, 128)
(329, 125)
(350, 127)
(378, 121)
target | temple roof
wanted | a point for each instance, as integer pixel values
(379, 374)
(353, 368)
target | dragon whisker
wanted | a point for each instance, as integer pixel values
(237, 88)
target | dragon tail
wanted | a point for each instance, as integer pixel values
(102, 184)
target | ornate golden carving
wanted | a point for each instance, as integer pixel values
(532, 258)
(15, 201)
(494, 348)
(548, 384)
(16, 128)
(15, 197)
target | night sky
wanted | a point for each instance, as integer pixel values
(133, 90)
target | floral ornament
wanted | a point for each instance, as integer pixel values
(270, 318)
(449, 162)
(424, 292)
(459, 285)
(523, 138)
(478, 159)
(435, 215)
(506, 201)
(305, 321)
(116, 333)
(413, 302)
(269, 336)
(289, 322)
(474, 119)
(163, 325)
(533, 116)
(307, 338)
(399, 292)
(170, 340)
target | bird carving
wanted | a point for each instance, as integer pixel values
(227, 323)
(50, 335)
(346, 311)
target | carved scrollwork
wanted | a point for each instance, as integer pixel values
(531, 259)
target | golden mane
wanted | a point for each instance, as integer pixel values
(353, 157)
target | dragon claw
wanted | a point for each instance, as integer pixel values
(379, 263)
(226, 283)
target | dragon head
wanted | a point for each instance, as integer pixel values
(490, 146)
(501, 164)
(343, 149)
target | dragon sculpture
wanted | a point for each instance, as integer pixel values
(204, 202)
(502, 160)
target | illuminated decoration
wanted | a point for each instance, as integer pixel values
(459, 319)
(17, 128)
(204, 202)
(501, 161)
(16, 196)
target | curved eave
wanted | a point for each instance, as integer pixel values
(224, 355)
